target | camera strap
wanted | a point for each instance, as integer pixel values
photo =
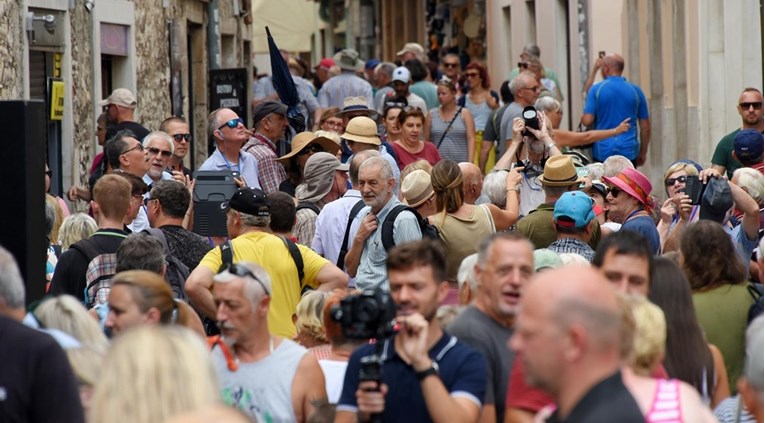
(448, 127)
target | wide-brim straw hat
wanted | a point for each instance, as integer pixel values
(301, 140)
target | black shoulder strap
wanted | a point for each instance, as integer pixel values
(307, 205)
(390, 219)
(226, 254)
(448, 127)
(344, 247)
(86, 248)
(296, 257)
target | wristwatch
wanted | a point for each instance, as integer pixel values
(432, 370)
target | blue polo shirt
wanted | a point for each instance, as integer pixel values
(461, 369)
(611, 101)
(247, 166)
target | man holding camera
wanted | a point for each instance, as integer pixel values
(525, 90)
(427, 374)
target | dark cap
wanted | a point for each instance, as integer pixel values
(716, 200)
(265, 108)
(250, 201)
(748, 145)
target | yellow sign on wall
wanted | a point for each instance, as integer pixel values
(56, 100)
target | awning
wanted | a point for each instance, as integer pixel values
(292, 22)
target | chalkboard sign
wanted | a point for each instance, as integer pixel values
(228, 88)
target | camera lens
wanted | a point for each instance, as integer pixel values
(366, 310)
(530, 118)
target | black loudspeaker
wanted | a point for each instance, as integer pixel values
(22, 226)
(211, 189)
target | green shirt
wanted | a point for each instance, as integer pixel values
(723, 154)
(427, 91)
(538, 227)
(722, 314)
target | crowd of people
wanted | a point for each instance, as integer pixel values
(535, 272)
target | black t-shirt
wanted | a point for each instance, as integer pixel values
(185, 245)
(608, 401)
(139, 130)
(69, 276)
(36, 381)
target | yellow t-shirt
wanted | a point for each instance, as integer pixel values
(270, 252)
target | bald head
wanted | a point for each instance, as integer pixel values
(472, 181)
(614, 64)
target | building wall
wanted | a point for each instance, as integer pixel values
(11, 51)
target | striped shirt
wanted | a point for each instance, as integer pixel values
(372, 272)
(338, 88)
(454, 145)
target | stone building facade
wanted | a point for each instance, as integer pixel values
(156, 48)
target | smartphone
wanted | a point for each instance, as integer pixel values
(693, 188)
(601, 54)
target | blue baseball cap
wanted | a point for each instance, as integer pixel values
(371, 64)
(576, 209)
(748, 144)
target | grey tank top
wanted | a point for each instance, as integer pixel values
(262, 389)
(454, 147)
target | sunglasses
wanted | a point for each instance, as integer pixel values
(137, 147)
(154, 151)
(182, 137)
(146, 201)
(233, 123)
(756, 104)
(615, 192)
(534, 88)
(523, 65)
(451, 65)
(472, 74)
(244, 272)
(671, 181)
(395, 104)
(310, 149)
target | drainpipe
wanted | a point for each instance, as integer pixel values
(584, 41)
(213, 35)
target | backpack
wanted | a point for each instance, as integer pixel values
(428, 231)
(98, 275)
(344, 247)
(757, 307)
(307, 205)
(176, 272)
(227, 258)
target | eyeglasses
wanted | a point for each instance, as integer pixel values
(334, 124)
(137, 147)
(243, 272)
(182, 137)
(472, 74)
(154, 151)
(400, 105)
(756, 104)
(106, 108)
(534, 88)
(146, 201)
(310, 149)
(233, 123)
(523, 65)
(671, 181)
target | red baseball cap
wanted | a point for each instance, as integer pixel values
(326, 63)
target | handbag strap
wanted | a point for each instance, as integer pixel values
(459, 111)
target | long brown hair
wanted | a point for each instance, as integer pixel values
(709, 259)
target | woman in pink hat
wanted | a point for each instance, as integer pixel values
(629, 201)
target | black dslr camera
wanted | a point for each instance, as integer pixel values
(530, 118)
(366, 315)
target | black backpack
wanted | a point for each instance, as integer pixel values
(757, 307)
(227, 258)
(176, 272)
(307, 205)
(428, 231)
(344, 247)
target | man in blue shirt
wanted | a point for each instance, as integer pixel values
(427, 374)
(608, 103)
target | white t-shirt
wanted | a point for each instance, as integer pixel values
(334, 375)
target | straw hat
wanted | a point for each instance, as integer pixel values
(356, 104)
(416, 188)
(560, 172)
(301, 140)
(362, 129)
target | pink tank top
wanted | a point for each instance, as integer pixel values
(666, 403)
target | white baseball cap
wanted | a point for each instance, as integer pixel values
(402, 74)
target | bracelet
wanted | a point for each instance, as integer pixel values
(516, 189)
